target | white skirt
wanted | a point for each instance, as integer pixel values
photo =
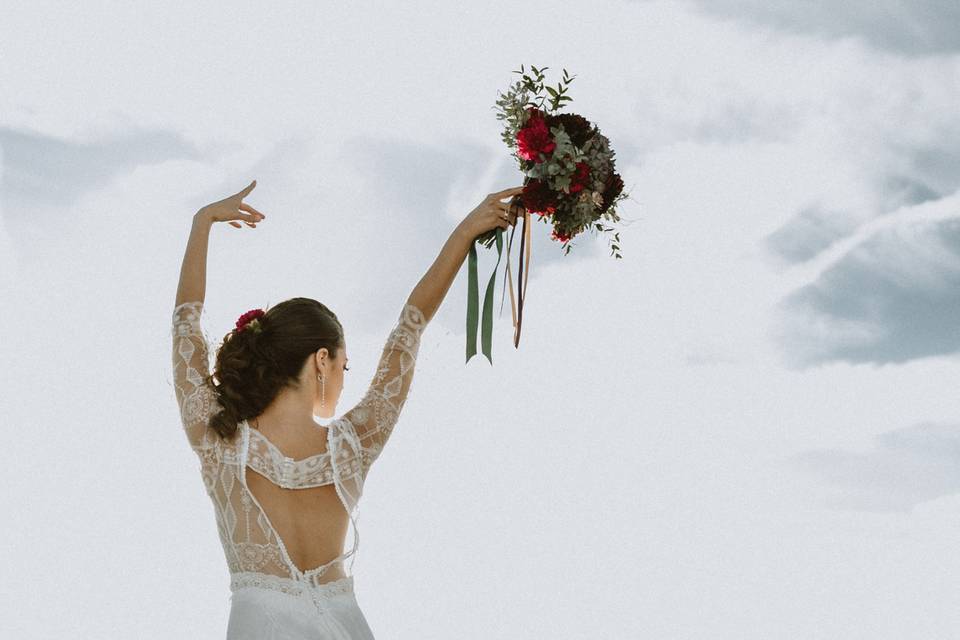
(327, 612)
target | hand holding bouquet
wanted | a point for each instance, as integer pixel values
(570, 182)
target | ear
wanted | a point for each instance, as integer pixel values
(319, 355)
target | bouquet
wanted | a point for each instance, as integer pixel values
(570, 182)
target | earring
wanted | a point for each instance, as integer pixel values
(323, 389)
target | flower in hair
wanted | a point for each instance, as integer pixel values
(252, 319)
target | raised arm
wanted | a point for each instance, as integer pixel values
(375, 416)
(433, 286)
(196, 398)
(193, 269)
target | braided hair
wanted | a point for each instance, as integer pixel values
(253, 366)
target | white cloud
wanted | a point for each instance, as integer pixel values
(915, 28)
(643, 475)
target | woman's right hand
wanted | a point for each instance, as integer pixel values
(491, 213)
(231, 209)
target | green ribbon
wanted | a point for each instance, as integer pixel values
(486, 332)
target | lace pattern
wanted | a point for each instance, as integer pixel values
(244, 579)
(197, 400)
(254, 552)
(315, 595)
(374, 417)
(267, 460)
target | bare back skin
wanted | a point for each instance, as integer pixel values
(311, 522)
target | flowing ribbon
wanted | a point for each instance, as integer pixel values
(516, 307)
(486, 330)
(521, 277)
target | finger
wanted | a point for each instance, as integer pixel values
(248, 217)
(243, 192)
(506, 192)
(510, 190)
(235, 224)
(246, 207)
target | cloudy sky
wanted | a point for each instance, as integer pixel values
(745, 428)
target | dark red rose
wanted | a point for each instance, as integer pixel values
(613, 186)
(580, 178)
(559, 236)
(534, 114)
(534, 138)
(577, 127)
(537, 197)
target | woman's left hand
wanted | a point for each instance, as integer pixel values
(231, 209)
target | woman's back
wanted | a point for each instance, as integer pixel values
(311, 521)
(274, 592)
(284, 508)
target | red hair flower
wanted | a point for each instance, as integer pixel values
(250, 316)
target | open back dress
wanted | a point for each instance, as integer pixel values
(270, 596)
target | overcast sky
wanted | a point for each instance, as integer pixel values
(746, 428)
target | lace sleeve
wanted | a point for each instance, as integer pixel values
(195, 397)
(375, 415)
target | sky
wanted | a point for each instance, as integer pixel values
(745, 428)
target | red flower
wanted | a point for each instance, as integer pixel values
(580, 178)
(534, 138)
(537, 197)
(249, 316)
(559, 236)
(577, 127)
(612, 188)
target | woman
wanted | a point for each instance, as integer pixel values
(283, 526)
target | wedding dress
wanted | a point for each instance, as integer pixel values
(270, 596)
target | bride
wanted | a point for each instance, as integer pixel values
(285, 490)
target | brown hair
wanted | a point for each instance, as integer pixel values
(252, 368)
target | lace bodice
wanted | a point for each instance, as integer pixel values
(266, 459)
(254, 551)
